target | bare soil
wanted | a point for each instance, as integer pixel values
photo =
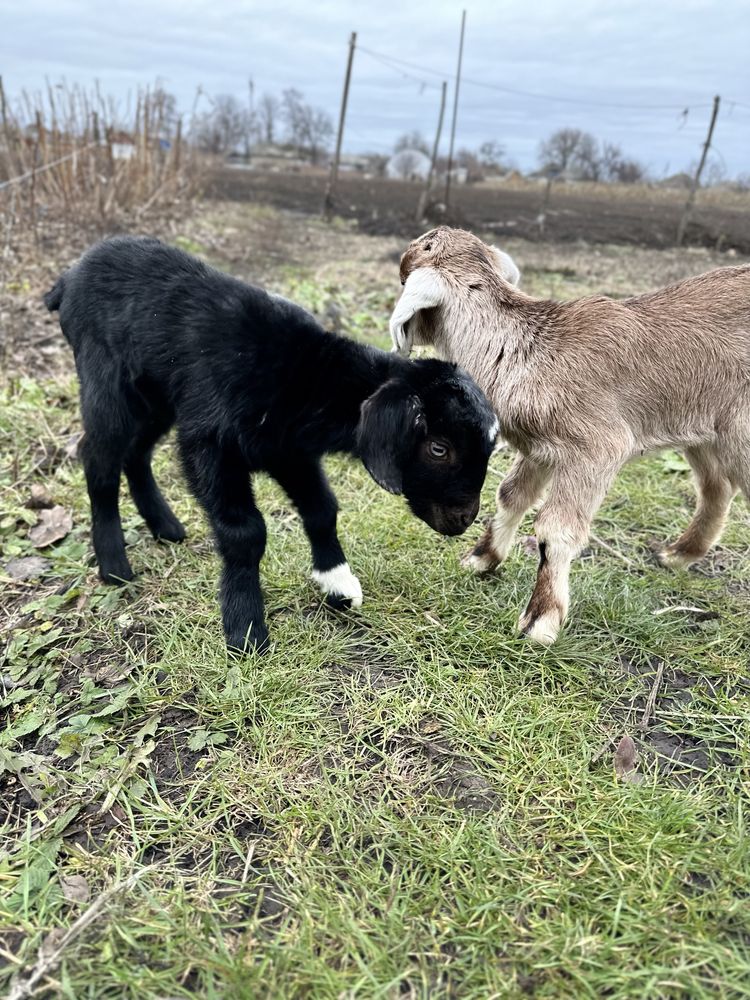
(640, 217)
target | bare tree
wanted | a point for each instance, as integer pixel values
(588, 158)
(224, 127)
(611, 159)
(412, 140)
(629, 172)
(309, 129)
(470, 162)
(557, 154)
(491, 154)
(269, 110)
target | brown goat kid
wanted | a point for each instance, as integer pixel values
(580, 388)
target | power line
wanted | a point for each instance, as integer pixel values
(387, 62)
(540, 97)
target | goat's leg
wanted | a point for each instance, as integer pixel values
(109, 426)
(102, 463)
(147, 496)
(519, 490)
(220, 479)
(306, 485)
(562, 527)
(715, 492)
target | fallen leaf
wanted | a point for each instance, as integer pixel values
(40, 498)
(27, 567)
(75, 888)
(108, 674)
(53, 525)
(626, 761)
(72, 445)
(51, 942)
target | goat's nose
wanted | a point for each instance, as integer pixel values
(466, 518)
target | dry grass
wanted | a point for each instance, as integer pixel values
(71, 159)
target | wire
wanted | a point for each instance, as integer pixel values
(536, 96)
(386, 61)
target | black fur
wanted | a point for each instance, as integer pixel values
(253, 383)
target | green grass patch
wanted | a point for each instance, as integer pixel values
(408, 800)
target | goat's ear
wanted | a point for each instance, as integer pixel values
(505, 266)
(391, 422)
(424, 289)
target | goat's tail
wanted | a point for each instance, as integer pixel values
(54, 296)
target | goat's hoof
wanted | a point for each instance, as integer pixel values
(479, 562)
(117, 576)
(170, 531)
(255, 640)
(672, 558)
(543, 628)
(340, 586)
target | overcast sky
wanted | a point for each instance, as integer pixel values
(641, 55)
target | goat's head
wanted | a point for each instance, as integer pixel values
(428, 433)
(435, 269)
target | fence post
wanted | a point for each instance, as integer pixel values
(334, 174)
(685, 218)
(422, 204)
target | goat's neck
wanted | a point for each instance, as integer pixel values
(484, 337)
(339, 379)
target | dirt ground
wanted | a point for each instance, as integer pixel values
(265, 245)
(639, 216)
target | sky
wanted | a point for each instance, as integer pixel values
(624, 70)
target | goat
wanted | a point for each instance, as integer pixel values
(580, 388)
(253, 383)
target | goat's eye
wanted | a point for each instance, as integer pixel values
(428, 246)
(437, 450)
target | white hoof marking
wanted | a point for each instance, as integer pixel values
(544, 630)
(340, 582)
(479, 564)
(675, 560)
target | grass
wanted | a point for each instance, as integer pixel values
(408, 800)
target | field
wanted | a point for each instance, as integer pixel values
(596, 213)
(407, 800)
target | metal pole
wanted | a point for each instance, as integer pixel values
(455, 112)
(334, 174)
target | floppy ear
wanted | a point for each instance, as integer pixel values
(505, 266)
(423, 289)
(391, 422)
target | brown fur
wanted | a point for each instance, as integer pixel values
(581, 387)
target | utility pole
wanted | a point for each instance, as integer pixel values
(334, 174)
(455, 112)
(696, 180)
(422, 204)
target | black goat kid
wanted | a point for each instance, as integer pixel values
(253, 383)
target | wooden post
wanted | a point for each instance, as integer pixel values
(455, 112)
(422, 204)
(334, 174)
(696, 180)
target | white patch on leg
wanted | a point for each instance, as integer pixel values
(504, 528)
(545, 629)
(676, 560)
(340, 582)
(479, 564)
